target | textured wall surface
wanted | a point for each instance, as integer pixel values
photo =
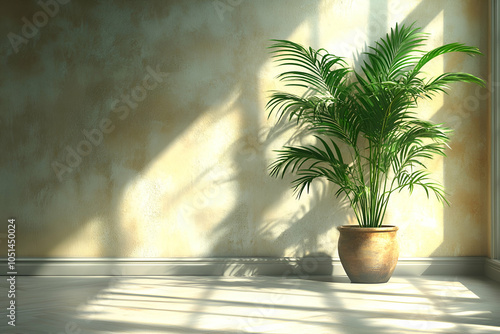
(138, 128)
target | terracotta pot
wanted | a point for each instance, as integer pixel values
(368, 254)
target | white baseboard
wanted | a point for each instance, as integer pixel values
(463, 265)
(492, 269)
(245, 266)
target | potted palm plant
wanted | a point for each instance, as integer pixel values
(369, 140)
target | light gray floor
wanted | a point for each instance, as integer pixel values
(78, 305)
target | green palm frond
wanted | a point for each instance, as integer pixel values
(441, 50)
(311, 162)
(441, 83)
(370, 116)
(392, 56)
(313, 67)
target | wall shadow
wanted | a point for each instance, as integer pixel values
(84, 65)
(466, 111)
(93, 63)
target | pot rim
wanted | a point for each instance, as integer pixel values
(359, 229)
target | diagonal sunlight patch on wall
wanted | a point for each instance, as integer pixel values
(180, 194)
(287, 225)
(423, 223)
(195, 185)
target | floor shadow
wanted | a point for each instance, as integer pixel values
(230, 304)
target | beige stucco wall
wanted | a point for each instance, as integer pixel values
(138, 128)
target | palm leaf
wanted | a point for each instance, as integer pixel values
(370, 114)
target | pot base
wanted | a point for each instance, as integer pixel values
(368, 254)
